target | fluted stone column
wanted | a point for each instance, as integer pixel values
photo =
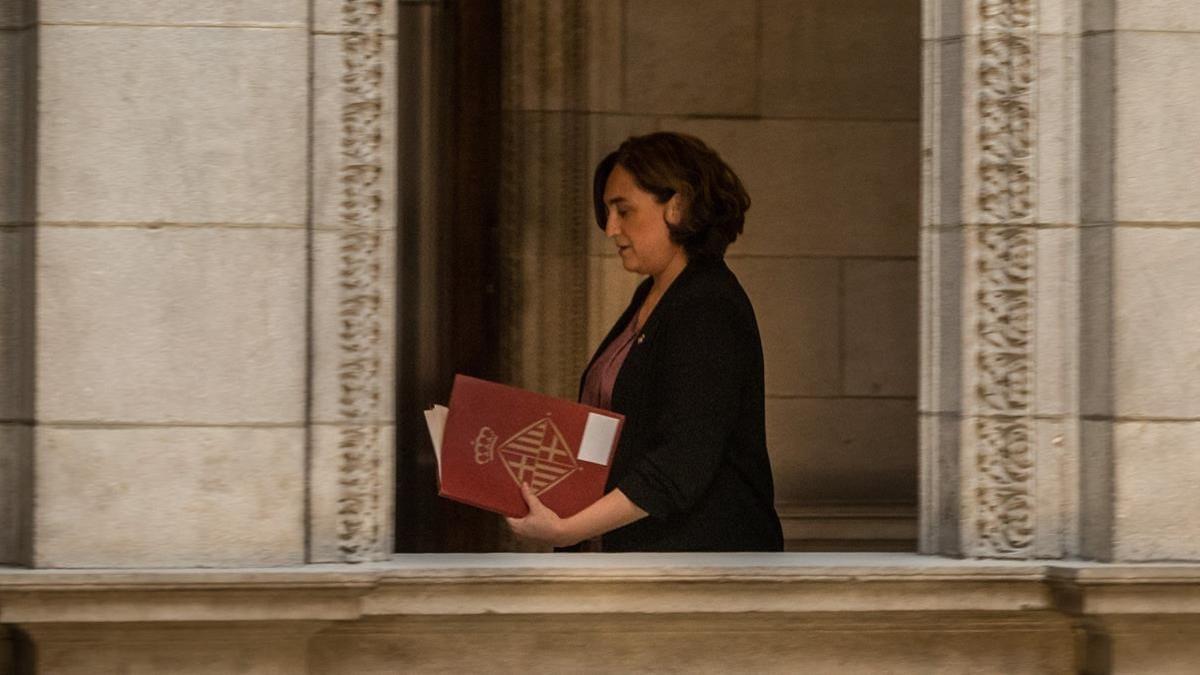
(1059, 250)
(545, 195)
(198, 357)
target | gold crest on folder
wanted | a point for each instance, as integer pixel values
(537, 455)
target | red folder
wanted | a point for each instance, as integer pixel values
(497, 437)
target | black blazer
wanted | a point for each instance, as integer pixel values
(693, 452)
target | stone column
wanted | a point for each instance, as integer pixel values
(201, 344)
(1056, 216)
(545, 195)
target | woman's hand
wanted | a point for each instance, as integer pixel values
(541, 524)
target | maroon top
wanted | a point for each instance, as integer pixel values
(598, 386)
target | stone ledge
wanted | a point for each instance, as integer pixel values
(590, 584)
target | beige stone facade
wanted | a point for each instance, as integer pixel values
(973, 249)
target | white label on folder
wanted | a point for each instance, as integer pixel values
(598, 435)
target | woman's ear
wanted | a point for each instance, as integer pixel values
(674, 212)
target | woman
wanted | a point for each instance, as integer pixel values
(683, 364)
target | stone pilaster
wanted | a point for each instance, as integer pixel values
(999, 273)
(353, 238)
(1059, 251)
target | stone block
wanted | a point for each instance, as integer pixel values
(194, 325)
(1056, 320)
(17, 72)
(16, 493)
(1062, 17)
(610, 287)
(1097, 94)
(16, 13)
(841, 59)
(1157, 130)
(179, 648)
(702, 643)
(17, 335)
(548, 332)
(1095, 489)
(169, 497)
(1096, 321)
(1057, 460)
(940, 483)
(341, 140)
(605, 39)
(1155, 643)
(546, 206)
(690, 58)
(347, 498)
(941, 269)
(549, 50)
(205, 12)
(821, 187)
(941, 19)
(1156, 322)
(843, 449)
(1143, 15)
(796, 303)
(1057, 172)
(942, 134)
(178, 125)
(354, 326)
(879, 339)
(1156, 474)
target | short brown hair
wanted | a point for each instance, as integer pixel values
(667, 163)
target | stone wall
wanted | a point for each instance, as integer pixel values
(211, 327)
(1140, 290)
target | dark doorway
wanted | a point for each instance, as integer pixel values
(449, 174)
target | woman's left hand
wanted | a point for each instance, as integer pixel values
(541, 523)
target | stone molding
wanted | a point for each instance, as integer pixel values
(447, 585)
(1004, 504)
(360, 527)
(894, 612)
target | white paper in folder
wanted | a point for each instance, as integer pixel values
(435, 419)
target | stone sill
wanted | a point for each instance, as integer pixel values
(846, 584)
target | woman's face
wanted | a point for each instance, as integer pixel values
(637, 224)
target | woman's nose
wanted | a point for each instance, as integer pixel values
(611, 228)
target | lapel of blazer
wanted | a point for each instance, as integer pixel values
(667, 304)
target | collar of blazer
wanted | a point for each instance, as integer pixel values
(675, 291)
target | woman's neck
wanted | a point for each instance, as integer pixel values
(662, 281)
(665, 277)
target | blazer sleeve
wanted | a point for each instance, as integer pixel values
(705, 354)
